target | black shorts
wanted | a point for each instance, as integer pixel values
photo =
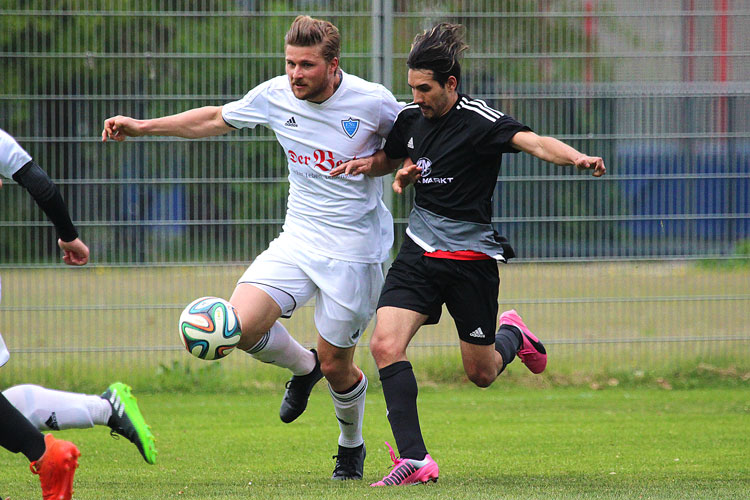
(468, 288)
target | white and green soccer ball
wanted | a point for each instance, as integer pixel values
(209, 328)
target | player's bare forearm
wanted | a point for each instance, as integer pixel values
(372, 166)
(557, 152)
(192, 124)
(382, 165)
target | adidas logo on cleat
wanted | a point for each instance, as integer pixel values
(291, 122)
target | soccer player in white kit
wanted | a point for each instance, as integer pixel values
(27, 409)
(337, 231)
(54, 460)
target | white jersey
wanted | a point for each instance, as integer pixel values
(12, 156)
(4, 354)
(339, 217)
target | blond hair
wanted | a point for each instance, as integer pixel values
(308, 32)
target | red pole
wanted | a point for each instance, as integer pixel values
(721, 70)
(691, 42)
(589, 29)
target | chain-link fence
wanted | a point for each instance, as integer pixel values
(645, 268)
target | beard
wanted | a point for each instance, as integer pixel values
(308, 91)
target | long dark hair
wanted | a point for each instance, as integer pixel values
(439, 49)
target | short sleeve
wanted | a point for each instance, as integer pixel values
(249, 111)
(389, 110)
(395, 145)
(496, 139)
(12, 156)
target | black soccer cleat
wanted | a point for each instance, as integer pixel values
(298, 392)
(350, 462)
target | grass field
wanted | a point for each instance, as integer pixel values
(502, 442)
(646, 394)
(626, 320)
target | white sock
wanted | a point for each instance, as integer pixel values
(48, 409)
(350, 410)
(280, 348)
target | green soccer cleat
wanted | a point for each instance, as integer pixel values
(127, 420)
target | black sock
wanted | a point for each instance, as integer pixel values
(400, 391)
(18, 434)
(508, 341)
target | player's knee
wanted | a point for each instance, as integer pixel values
(330, 368)
(383, 349)
(480, 377)
(253, 328)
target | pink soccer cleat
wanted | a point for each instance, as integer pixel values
(532, 352)
(410, 471)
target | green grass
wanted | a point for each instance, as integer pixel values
(502, 442)
(636, 322)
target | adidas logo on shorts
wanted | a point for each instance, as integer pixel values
(291, 122)
(478, 333)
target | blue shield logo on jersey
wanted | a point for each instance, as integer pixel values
(350, 126)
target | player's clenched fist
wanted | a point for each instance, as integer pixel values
(75, 253)
(121, 127)
(594, 163)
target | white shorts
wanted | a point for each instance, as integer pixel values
(346, 293)
(4, 354)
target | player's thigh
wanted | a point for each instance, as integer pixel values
(394, 329)
(414, 283)
(471, 299)
(346, 299)
(256, 309)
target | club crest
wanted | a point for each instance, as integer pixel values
(350, 126)
(426, 165)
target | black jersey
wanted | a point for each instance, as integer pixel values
(460, 155)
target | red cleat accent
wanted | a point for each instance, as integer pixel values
(56, 468)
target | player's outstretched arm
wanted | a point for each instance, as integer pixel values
(36, 181)
(373, 166)
(192, 124)
(557, 152)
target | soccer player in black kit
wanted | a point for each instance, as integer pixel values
(455, 144)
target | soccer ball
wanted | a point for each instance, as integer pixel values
(209, 328)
